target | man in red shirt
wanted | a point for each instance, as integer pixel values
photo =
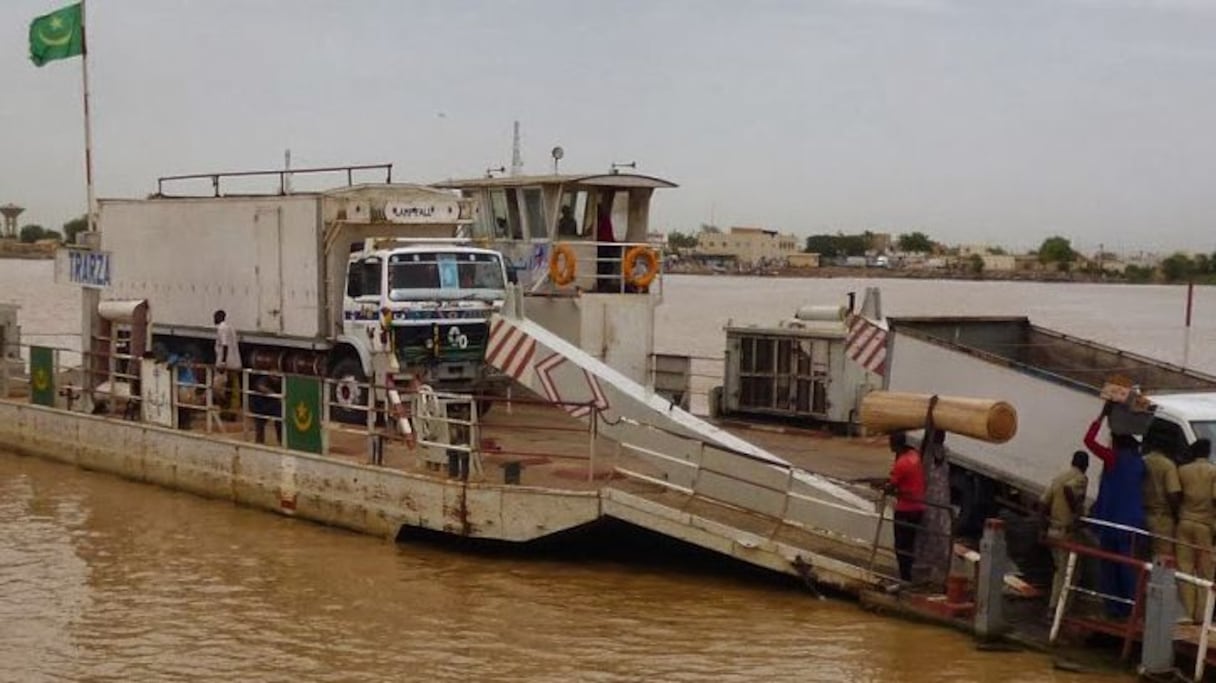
(907, 483)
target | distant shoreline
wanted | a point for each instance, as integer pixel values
(12, 249)
(828, 272)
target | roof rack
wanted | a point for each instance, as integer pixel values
(283, 175)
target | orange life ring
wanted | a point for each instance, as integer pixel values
(631, 261)
(562, 265)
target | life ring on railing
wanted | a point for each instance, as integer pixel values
(562, 265)
(631, 262)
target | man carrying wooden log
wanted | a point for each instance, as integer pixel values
(934, 542)
(907, 483)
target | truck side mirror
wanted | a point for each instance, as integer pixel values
(512, 277)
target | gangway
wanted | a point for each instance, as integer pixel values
(712, 488)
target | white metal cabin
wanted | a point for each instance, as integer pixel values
(528, 218)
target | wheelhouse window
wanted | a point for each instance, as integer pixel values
(572, 219)
(499, 214)
(439, 275)
(534, 206)
(611, 211)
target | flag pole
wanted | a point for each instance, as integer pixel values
(88, 126)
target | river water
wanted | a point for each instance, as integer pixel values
(103, 579)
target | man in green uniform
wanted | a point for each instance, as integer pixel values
(1063, 502)
(1162, 495)
(1196, 517)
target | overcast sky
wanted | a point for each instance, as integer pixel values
(974, 121)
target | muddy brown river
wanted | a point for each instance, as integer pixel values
(103, 579)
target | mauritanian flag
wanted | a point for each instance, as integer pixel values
(302, 414)
(42, 376)
(57, 35)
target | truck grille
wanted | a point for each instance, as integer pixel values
(458, 341)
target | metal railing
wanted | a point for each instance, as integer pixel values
(700, 470)
(282, 174)
(1129, 629)
(441, 424)
(920, 528)
(599, 267)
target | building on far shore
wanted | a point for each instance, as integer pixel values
(999, 262)
(881, 242)
(803, 260)
(749, 246)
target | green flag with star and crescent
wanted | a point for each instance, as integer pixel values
(57, 35)
(302, 416)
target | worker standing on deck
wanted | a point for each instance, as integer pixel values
(1063, 503)
(907, 483)
(1162, 495)
(1196, 520)
(228, 359)
(266, 406)
(1120, 501)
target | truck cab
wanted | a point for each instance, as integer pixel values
(1181, 419)
(439, 295)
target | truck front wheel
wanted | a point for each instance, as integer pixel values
(348, 395)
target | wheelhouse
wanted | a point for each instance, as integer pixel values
(599, 218)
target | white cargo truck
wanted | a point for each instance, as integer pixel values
(307, 277)
(1053, 380)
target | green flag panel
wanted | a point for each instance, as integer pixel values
(42, 376)
(302, 413)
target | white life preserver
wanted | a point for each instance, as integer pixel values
(346, 391)
(425, 410)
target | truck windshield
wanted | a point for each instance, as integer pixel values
(1204, 429)
(438, 275)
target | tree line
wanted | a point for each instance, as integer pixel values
(1180, 267)
(1055, 251)
(32, 232)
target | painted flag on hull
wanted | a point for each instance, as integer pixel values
(866, 344)
(42, 376)
(302, 414)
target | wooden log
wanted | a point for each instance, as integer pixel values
(978, 418)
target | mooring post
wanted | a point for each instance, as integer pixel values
(1160, 617)
(989, 608)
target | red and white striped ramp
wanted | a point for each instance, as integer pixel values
(556, 369)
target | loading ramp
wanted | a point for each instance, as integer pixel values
(700, 484)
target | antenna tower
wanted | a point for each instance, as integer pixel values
(517, 159)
